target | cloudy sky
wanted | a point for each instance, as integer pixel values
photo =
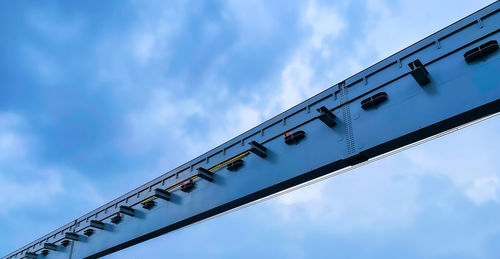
(97, 97)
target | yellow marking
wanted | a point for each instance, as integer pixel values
(152, 198)
(194, 177)
(229, 161)
(177, 185)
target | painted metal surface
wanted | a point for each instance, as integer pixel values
(455, 93)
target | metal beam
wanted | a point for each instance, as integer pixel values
(381, 109)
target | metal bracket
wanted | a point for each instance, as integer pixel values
(50, 246)
(88, 232)
(482, 51)
(295, 137)
(187, 187)
(72, 235)
(326, 116)
(162, 194)
(127, 210)
(205, 174)
(148, 204)
(116, 219)
(258, 149)
(235, 165)
(65, 242)
(97, 224)
(374, 100)
(419, 73)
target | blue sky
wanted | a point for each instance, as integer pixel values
(100, 97)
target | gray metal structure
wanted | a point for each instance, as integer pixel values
(442, 82)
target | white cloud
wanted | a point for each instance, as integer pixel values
(12, 146)
(149, 38)
(43, 196)
(298, 77)
(241, 119)
(394, 26)
(166, 121)
(161, 122)
(295, 83)
(253, 18)
(43, 199)
(324, 22)
(30, 183)
(143, 47)
(366, 198)
(484, 190)
(123, 56)
(461, 157)
(32, 192)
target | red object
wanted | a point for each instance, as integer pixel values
(287, 134)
